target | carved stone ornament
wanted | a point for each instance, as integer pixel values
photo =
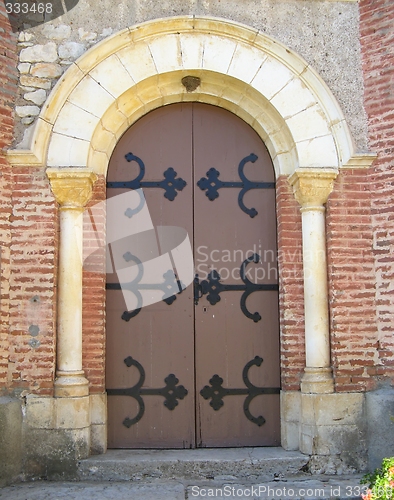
(72, 188)
(312, 187)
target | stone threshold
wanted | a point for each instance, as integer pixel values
(252, 464)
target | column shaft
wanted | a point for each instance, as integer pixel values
(311, 189)
(72, 189)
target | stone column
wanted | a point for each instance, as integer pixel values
(311, 189)
(72, 189)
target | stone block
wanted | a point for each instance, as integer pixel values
(271, 78)
(192, 49)
(71, 50)
(246, 62)
(290, 402)
(380, 421)
(98, 408)
(307, 124)
(10, 440)
(39, 53)
(40, 412)
(72, 413)
(309, 152)
(98, 439)
(166, 53)
(38, 96)
(75, 151)
(54, 454)
(91, 97)
(333, 409)
(56, 32)
(23, 111)
(138, 61)
(46, 70)
(290, 435)
(75, 122)
(218, 54)
(104, 73)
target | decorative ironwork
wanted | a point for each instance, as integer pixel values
(211, 184)
(171, 392)
(216, 392)
(169, 285)
(171, 184)
(213, 287)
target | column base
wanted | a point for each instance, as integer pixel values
(317, 381)
(71, 384)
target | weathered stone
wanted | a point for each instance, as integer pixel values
(380, 418)
(28, 120)
(32, 81)
(24, 67)
(71, 50)
(38, 96)
(23, 111)
(86, 36)
(56, 32)
(46, 70)
(10, 439)
(25, 37)
(39, 53)
(106, 32)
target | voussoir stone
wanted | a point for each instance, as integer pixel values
(46, 70)
(71, 50)
(39, 53)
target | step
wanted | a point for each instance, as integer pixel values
(250, 464)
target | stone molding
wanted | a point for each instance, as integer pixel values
(72, 188)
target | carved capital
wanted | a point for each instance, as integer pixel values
(312, 187)
(72, 188)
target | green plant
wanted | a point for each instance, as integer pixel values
(380, 482)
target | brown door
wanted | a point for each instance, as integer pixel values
(203, 369)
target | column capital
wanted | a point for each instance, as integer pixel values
(72, 187)
(312, 187)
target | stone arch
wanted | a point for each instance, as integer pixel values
(240, 69)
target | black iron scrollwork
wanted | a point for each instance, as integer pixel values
(171, 184)
(169, 286)
(211, 184)
(216, 392)
(213, 287)
(171, 392)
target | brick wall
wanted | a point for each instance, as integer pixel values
(351, 281)
(377, 43)
(291, 291)
(93, 312)
(8, 89)
(32, 282)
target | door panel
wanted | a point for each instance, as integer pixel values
(197, 341)
(161, 336)
(226, 339)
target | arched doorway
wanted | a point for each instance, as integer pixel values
(200, 368)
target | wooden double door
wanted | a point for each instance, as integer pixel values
(200, 369)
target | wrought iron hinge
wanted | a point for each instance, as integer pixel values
(211, 184)
(216, 392)
(171, 392)
(213, 288)
(171, 183)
